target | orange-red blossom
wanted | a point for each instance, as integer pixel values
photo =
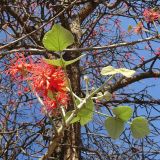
(43, 78)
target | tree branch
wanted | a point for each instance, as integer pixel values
(87, 48)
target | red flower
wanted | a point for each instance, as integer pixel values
(150, 15)
(50, 82)
(47, 80)
(18, 67)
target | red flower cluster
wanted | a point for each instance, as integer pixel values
(18, 67)
(47, 80)
(150, 15)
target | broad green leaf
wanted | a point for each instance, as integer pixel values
(109, 70)
(86, 112)
(75, 119)
(139, 127)
(85, 119)
(86, 109)
(60, 62)
(58, 38)
(123, 112)
(114, 126)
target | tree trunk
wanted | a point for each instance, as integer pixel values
(72, 139)
(68, 148)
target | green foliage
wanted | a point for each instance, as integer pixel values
(114, 126)
(58, 38)
(86, 112)
(123, 112)
(62, 62)
(55, 62)
(84, 115)
(109, 70)
(75, 119)
(139, 127)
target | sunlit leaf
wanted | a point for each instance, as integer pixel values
(139, 127)
(58, 38)
(123, 112)
(114, 127)
(109, 70)
(126, 72)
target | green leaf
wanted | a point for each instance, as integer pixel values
(60, 62)
(109, 70)
(86, 112)
(54, 62)
(75, 119)
(86, 109)
(123, 112)
(114, 126)
(58, 38)
(139, 127)
(85, 119)
(84, 115)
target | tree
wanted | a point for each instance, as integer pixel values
(122, 34)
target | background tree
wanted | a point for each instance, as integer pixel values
(119, 33)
